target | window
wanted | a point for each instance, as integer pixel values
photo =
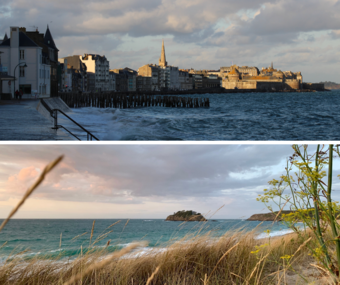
(22, 71)
(22, 54)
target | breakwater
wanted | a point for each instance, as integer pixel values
(124, 100)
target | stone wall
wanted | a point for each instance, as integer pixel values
(314, 86)
(239, 84)
(292, 84)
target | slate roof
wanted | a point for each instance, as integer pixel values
(24, 41)
(48, 39)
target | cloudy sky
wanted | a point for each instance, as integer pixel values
(299, 35)
(140, 181)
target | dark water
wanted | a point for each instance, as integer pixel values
(42, 237)
(247, 116)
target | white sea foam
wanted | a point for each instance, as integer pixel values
(275, 233)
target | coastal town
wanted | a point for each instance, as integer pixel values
(30, 66)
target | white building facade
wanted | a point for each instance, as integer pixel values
(100, 66)
(17, 51)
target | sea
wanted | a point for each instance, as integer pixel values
(66, 239)
(230, 117)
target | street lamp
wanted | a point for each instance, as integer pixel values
(14, 74)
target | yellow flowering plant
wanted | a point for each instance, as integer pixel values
(306, 188)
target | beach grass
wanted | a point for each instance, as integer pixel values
(237, 257)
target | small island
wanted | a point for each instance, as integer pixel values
(268, 216)
(188, 216)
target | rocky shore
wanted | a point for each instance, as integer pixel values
(268, 216)
(186, 216)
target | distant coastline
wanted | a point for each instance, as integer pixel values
(268, 216)
(331, 85)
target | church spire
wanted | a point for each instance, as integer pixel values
(162, 60)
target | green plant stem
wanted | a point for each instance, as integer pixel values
(316, 208)
(290, 185)
(330, 208)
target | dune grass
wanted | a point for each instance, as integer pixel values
(235, 258)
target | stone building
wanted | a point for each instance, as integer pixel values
(98, 65)
(204, 78)
(112, 78)
(185, 80)
(167, 76)
(126, 79)
(32, 58)
(151, 73)
(211, 81)
(174, 78)
(91, 81)
(79, 68)
(268, 79)
(144, 83)
(50, 55)
(246, 70)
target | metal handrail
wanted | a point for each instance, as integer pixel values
(54, 115)
(55, 112)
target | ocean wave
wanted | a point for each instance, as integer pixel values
(143, 251)
(275, 233)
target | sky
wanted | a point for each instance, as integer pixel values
(299, 35)
(141, 181)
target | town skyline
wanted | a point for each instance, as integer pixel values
(197, 35)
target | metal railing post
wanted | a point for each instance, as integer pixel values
(56, 119)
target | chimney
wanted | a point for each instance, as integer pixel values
(14, 37)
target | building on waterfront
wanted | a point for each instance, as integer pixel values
(185, 80)
(204, 78)
(148, 78)
(144, 83)
(91, 82)
(245, 70)
(32, 58)
(50, 55)
(163, 76)
(112, 80)
(78, 71)
(174, 78)
(126, 79)
(99, 66)
(268, 79)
